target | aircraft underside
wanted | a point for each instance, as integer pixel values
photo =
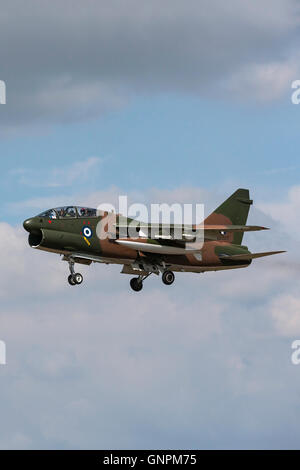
(141, 268)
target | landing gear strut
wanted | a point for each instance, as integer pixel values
(74, 278)
(168, 277)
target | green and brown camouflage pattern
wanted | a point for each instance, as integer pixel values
(222, 249)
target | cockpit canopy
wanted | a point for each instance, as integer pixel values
(69, 212)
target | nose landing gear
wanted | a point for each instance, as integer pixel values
(74, 278)
(71, 280)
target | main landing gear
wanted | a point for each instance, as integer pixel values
(136, 283)
(74, 278)
(168, 277)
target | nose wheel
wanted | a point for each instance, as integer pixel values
(74, 278)
(71, 280)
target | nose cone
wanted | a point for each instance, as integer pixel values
(28, 224)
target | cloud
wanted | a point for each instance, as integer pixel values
(263, 82)
(285, 312)
(59, 176)
(285, 211)
(101, 55)
(99, 366)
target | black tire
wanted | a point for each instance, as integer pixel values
(168, 277)
(135, 284)
(78, 278)
(71, 280)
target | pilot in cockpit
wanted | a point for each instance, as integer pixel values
(70, 212)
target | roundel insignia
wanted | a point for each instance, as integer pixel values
(87, 231)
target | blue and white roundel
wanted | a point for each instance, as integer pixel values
(87, 231)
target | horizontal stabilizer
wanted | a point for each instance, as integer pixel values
(247, 256)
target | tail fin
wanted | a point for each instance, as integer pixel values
(234, 211)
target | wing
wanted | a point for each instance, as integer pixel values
(184, 232)
(248, 256)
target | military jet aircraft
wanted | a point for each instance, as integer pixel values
(73, 232)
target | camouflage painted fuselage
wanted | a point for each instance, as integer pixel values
(66, 237)
(83, 236)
